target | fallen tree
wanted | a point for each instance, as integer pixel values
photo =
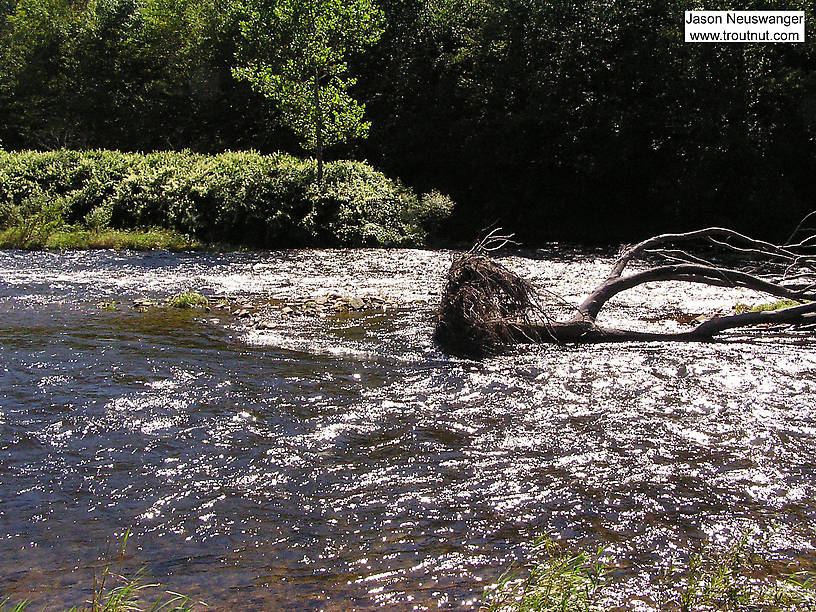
(486, 308)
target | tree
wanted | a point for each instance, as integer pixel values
(36, 65)
(295, 53)
(485, 307)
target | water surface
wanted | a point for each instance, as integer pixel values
(343, 462)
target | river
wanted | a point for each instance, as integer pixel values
(341, 461)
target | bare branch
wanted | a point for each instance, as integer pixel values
(485, 306)
(679, 256)
(799, 229)
(788, 316)
(493, 241)
(691, 273)
(761, 247)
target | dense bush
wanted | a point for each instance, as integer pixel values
(241, 198)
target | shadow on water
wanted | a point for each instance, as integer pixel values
(341, 461)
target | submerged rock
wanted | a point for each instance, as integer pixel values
(327, 304)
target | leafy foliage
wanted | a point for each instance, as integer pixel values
(241, 198)
(188, 299)
(592, 120)
(295, 54)
(124, 74)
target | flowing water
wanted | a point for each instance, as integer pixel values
(342, 461)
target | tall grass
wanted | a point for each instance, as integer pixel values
(64, 237)
(734, 578)
(554, 581)
(115, 592)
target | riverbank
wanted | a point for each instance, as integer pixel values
(79, 238)
(86, 199)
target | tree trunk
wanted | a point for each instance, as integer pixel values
(318, 127)
(486, 308)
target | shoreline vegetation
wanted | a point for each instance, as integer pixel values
(76, 237)
(187, 201)
(719, 577)
(724, 577)
(114, 591)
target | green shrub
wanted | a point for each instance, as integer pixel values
(39, 216)
(188, 299)
(9, 214)
(99, 218)
(247, 198)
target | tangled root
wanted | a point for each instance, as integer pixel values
(484, 306)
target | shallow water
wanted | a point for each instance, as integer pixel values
(343, 462)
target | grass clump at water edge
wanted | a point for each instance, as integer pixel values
(188, 299)
(736, 577)
(729, 579)
(125, 597)
(39, 222)
(135, 240)
(130, 593)
(67, 237)
(553, 580)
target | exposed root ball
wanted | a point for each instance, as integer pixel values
(482, 305)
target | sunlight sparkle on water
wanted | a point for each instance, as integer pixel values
(368, 466)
